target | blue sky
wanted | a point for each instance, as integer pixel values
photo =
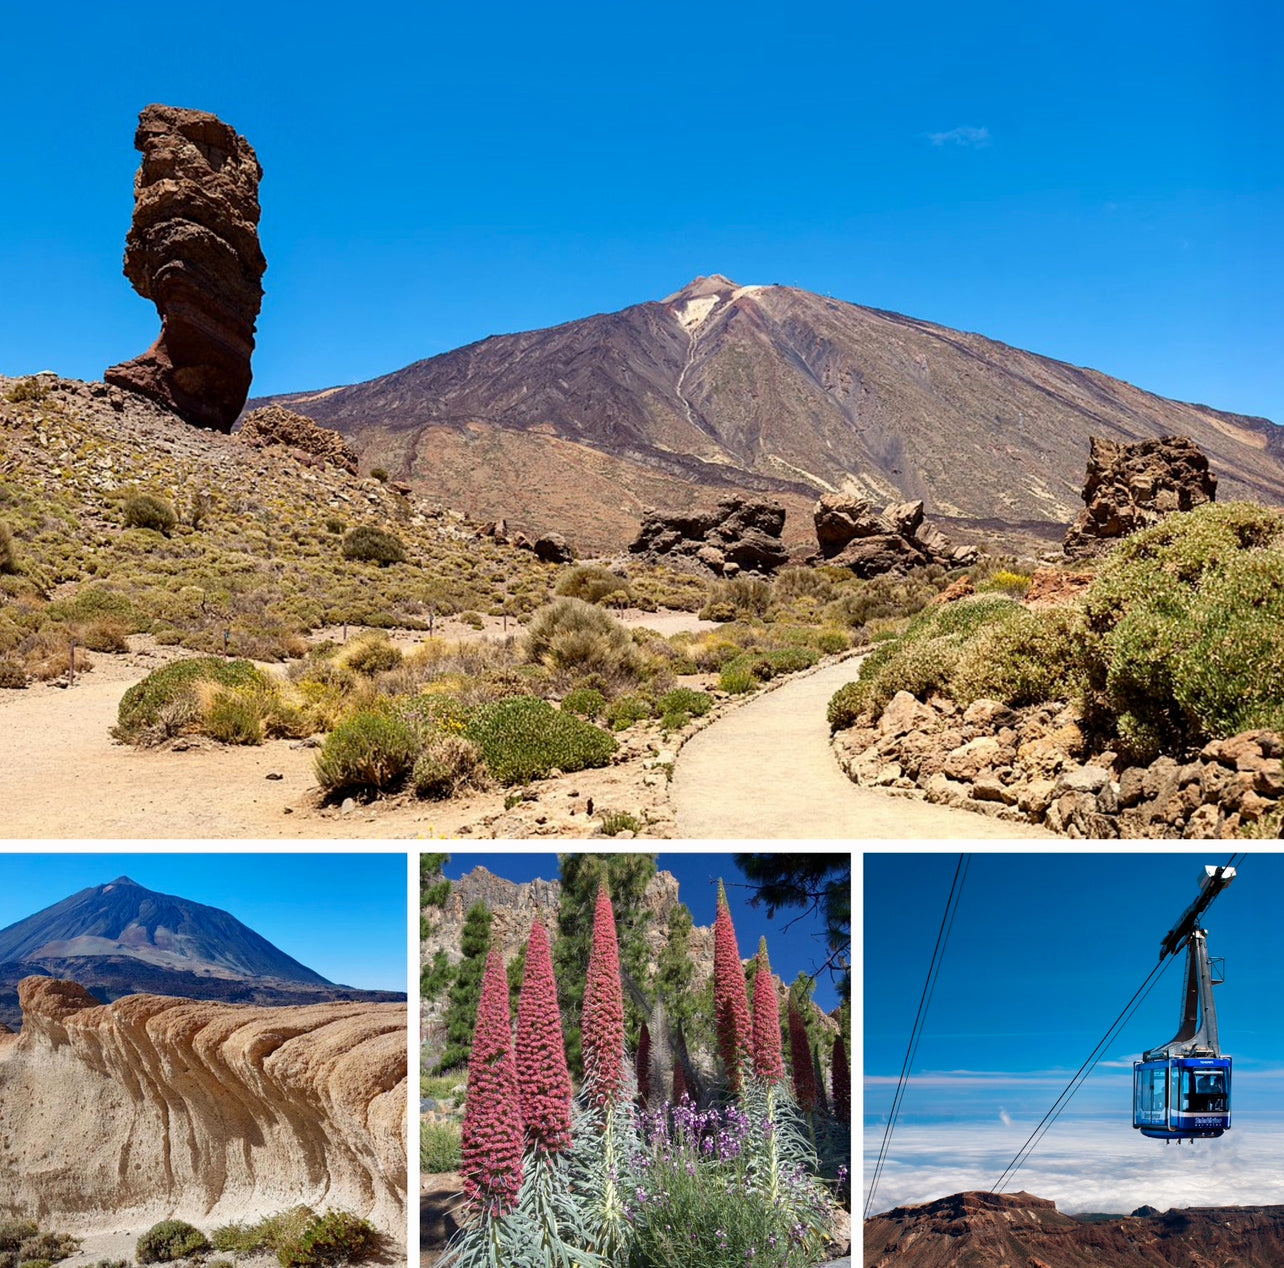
(342, 915)
(800, 949)
(1046, 950)
(1101, 185)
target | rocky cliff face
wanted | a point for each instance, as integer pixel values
(993, 1230)
(155, 1107)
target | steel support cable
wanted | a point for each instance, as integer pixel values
(1088, 1066)
(1023, 1154)
(924, 1002)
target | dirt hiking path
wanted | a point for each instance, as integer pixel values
(766, 770)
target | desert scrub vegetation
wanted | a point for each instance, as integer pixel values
(438, 1147)
(146, 510)
(170, 1240)
(22, 1243)
(1177, 640)
(300, 1237)
(525, 738)
(573, 639)
(371, 544)
(594, 584)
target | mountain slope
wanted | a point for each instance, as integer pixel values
(770, 388)
(994, 1230)
(121, 939)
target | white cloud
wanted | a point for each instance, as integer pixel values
(1004, 1117)
(968, 137)
(1094, 1165)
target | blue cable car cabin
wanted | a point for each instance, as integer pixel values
(1182, 1091)
(1181, 1098)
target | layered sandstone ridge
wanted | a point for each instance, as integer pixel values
(154, 1107)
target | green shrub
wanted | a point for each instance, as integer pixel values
(845, 706)
(368, 750)
(736, 678)
(741, 596)
(8, 555)
(473, 620)
(170, 691)
(33, 1263)
(14, 1232)
(696, 703)
(625, 710)
(438, 1147)
(336, 1237)
(1005, 581)
(1033, 657)
(145, 510)
(369, 544)
(447, 764)
(588, 702)
(236, 716)
(169, 1240)
(616, 821)
(523, 738)
(276, 1233)
(380, 474)
(371, 653)
(590, 582)
(30, 389)
(573, 637)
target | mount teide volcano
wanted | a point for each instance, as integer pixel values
(722, 388)
(122, 939)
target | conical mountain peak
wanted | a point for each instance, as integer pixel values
(702, 287)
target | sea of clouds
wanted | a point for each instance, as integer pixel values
(1091, 1159)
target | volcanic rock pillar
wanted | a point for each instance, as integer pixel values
(193, 249)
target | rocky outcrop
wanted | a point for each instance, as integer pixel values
(155, 1107)
(553, 548)
(1032, 765)
(193, 249)
(995, 1230)
(851, 534)
(738, 535)
(1131, 486)
(275, 425)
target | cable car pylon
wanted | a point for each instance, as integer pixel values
(1181, 1090)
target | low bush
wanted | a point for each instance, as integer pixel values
(370, 750)
(739, 597)
(588, 702)
(523, 738)
(616, 821)
(8, 554)
(572, 637)
(370, 653)
(590, 582)
(145, 510)
(13, 674)
(271, 1233)
(845, 706)
(447, 764)
(439, 1148)
(167, 696)
(736, 678)
(13, 1232)
(685, 700)
(369, 544)
(625, 710)
(1034, 656)
(335, 1237)
(170, 1240)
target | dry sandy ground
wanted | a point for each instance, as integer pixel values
(754, 768)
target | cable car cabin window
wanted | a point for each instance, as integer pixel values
(1203, 1092)
(1152, 1094)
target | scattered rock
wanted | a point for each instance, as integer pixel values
(193, 249)
(1131, 486)
(553, 548)
(740, 534)
(850, 534)
(274, 425)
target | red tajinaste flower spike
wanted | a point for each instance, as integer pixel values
(800, 1054)
(768, 1060)
(543, 1083)
(679, 1083)
(841, 1080)
(644, 1063)
(602, 1020)
(730, 999)
(491, 1141)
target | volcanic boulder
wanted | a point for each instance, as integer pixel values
(852, 535)
(738, 535)
(274, 425)
(1131, 486)
(193, 249)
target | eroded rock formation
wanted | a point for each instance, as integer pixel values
(154, 1107)
(193, 249)
(851, 534)
(275, 425)
(738, 535)
(1129, 487)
